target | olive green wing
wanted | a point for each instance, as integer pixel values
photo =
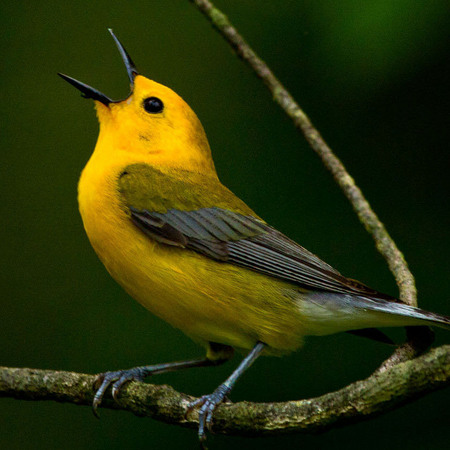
(211, 221)
(147, 188)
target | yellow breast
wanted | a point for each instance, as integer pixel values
(207, 300)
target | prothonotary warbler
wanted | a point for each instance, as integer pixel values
(194, 254)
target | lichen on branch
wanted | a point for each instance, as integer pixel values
(358, 401)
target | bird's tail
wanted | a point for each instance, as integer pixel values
(333, 313)
(401, 314)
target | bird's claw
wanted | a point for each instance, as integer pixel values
(207, 405)
(117, 379)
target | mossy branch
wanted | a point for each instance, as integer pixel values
(358, 401)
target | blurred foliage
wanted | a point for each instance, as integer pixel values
(373, 76)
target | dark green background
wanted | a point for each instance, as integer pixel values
(373, 76)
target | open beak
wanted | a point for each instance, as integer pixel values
(89, 92)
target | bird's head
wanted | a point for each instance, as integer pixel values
(153, 124)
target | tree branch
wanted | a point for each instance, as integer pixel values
(384, 243)
(398, 381)
(358, 401)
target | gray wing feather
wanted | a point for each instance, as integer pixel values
(247, 242)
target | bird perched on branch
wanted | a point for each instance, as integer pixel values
(197, 256)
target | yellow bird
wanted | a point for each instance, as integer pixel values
(194, 254)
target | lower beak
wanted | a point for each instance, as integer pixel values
(87, 91)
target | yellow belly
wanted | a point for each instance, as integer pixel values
(209, 301)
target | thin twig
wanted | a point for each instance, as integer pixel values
(359, 401)
(384, 243)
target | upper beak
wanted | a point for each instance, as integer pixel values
(90, 92)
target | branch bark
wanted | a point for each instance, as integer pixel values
(358, 401)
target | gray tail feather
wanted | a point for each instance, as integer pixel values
(418, 316)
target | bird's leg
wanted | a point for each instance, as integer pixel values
(119, 377)
(209, 402)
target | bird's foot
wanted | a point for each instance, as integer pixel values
(117, 379)
(207, 405)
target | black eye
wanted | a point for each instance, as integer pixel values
(153, 105)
